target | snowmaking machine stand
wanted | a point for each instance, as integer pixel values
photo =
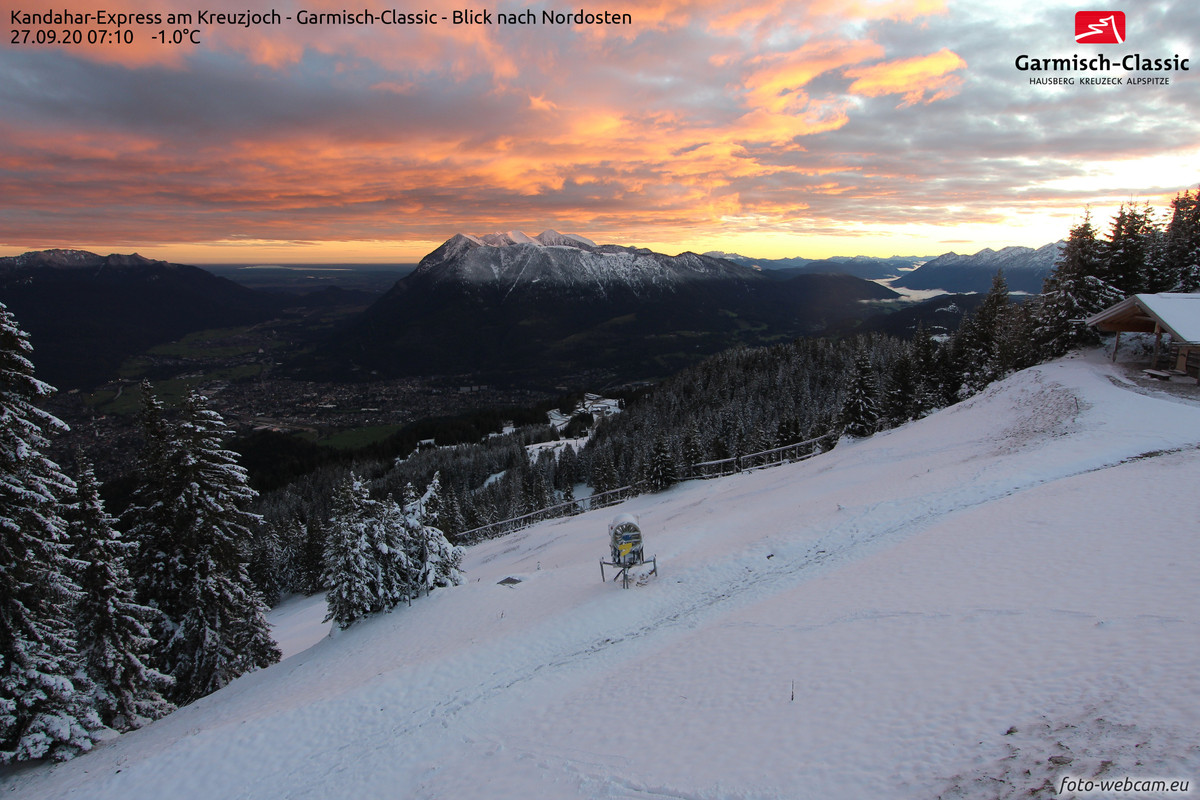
(625, 541)
(623, 571)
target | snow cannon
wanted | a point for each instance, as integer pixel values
(625, 538)
(626, 551)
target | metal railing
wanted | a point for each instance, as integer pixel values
(705, 470)
(568, 509)
(787, 454)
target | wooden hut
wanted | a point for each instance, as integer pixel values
(1174, 313)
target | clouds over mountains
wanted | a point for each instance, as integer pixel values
(821, 118)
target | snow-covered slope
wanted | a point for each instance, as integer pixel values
(936, 611)
(560, 310)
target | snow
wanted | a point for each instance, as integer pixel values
(1180, 311)
(952, 603)
(297, 623)
(518, 237)
(556, 446)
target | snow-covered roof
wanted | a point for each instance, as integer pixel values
(1174, 312)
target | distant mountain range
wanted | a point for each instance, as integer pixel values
(506, 307)
(87, 313)
(866, 267)
(1025, 269)
(559, 307)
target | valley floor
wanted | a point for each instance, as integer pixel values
(974, 605)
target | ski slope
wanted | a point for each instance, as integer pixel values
(936, 611)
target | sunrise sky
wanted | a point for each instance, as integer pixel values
(835, 127)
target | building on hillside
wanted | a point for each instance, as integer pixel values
(1173, 313)
(595, 405)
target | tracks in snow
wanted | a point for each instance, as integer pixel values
(702, 594)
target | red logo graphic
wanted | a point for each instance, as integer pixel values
(1100, 27)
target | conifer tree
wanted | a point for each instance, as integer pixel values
(44, 709)
(1182, 245)
(308, 558)
(147, 520)
(389, 537)
(351, 567)
(567, 474)
(661, 474)
(927, 396)
(267, 563)
(975, 346)
(1127, 251)
(114, 642)
(604, 478)
(860, 411)
(290, 533)
(1073, 292)
(900, 399)
(216, 627)
(434, 561)
(450, 518)
(693, 450)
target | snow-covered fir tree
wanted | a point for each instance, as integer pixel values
(661, 473)
(147, 520)
(215, 627)
(379, 554)
(901, 396)
(114, 641)
(310, 557)
(352, 570)
(390, 540)
(267, 563)
(435, 562)
(860, 412)
(924, 354)
(44, 709)
(1072, 293)
(693, 453)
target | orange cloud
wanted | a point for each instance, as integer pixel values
(775, 85)
(915, 78)
(703, 115)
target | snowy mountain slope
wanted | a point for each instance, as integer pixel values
(558, 261)
(954, 602)
(1025, 269)
(560, 310)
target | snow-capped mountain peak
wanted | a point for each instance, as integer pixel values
(547, 238)
(552, 238)
(553, 259)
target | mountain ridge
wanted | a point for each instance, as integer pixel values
(566, 260)
(560, 305)
(1025, 269)
(86, 313)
